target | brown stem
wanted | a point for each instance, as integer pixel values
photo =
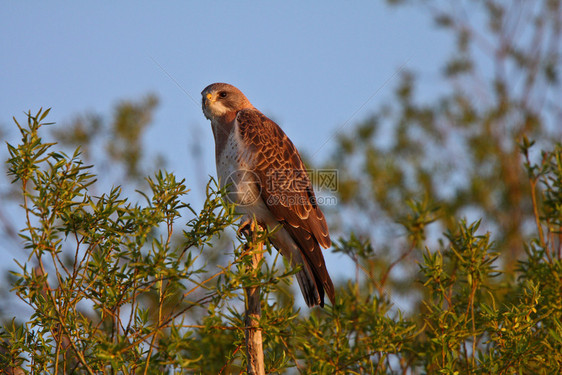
(254, 341)
(391, 266)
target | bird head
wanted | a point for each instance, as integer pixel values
(221, 100)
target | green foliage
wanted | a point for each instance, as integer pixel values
(111, 290)
(90, 309)
(460, 149)
(117, 141)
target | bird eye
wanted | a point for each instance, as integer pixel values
(222, 94)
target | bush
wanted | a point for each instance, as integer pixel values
(112, 289)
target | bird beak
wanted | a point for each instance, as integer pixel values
(207, 99)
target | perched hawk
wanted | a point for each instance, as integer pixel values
(267, 179)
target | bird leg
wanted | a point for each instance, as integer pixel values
(247, 227)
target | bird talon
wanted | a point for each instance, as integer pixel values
(246, 228)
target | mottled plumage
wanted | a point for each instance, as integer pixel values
(266, 178)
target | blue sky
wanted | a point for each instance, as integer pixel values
(309, 66)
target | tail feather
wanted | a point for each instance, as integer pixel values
(317, 277)
(313, 287)
(303, 250)
(312, 295)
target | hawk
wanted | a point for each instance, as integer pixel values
(265, 177)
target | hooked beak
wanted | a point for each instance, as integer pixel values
(207, 99)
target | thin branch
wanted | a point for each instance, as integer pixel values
(393, 264)
(254, 340)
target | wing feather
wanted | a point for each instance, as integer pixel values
(287, 190)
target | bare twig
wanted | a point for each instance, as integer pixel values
(254, 341)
